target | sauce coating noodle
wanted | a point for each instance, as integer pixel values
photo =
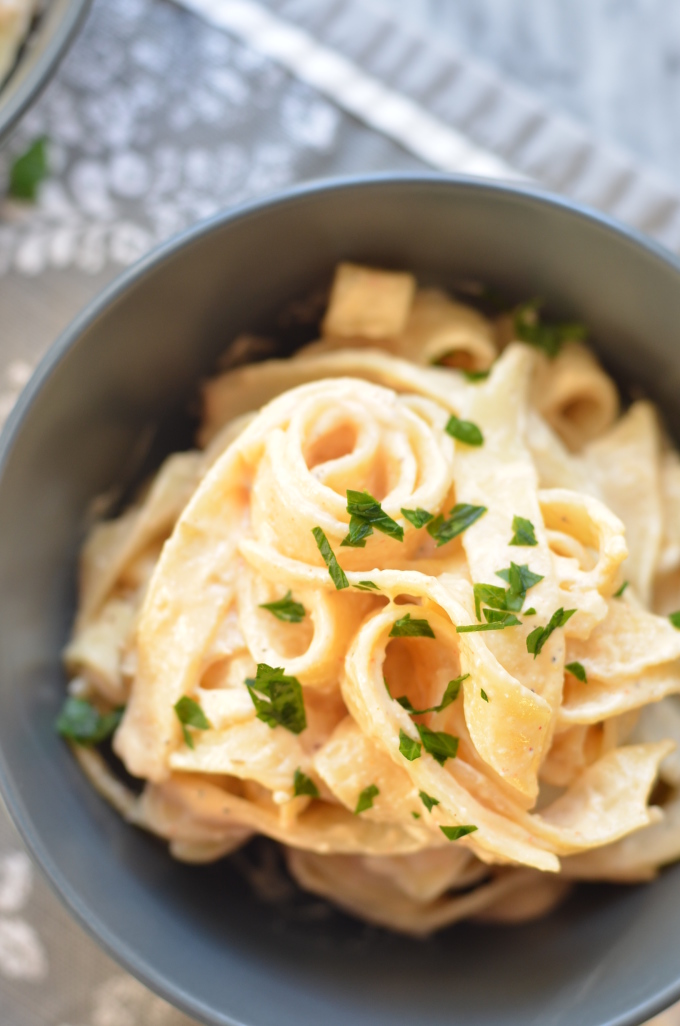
(404, 612)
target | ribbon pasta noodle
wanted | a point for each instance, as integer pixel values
(406, 612)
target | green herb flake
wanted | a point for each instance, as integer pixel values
(491, 594)
(190, 714)
(484, 695)
(538, 637)
(366, 586)
(418, 517)
(548, 337)
(475, 375)
(304, 785)
(408, 628)
(416, 815)
(464, 431)
(81, 722)
(675, 619)
(428, 801)
(500, 625)
(277, 698)
(577, 670)
(286, 609)
(529, 612)
(524, 532)
(409, 748)
(498, 616)
(454, 833)
(440, 745)
(366, 513)
(461, 517)
(336, 572)
(28, 171)
(450, 695)
(520, 579)
(619, 593)
(365, 800)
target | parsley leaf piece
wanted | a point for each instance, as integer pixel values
(416, 815)
(302, 784)
(520, 579)
(408, 628)
(578, 670)
(454, 833)
(418, 517)
(464, 430)
(675, 619)
(484, 694)
(492, 594)
(366, 513)
(538, 637)
(619, 593)
(286, 609)
(282, 704)
(449, 696)
(190, 714)
(366, 586)
(548, 337)
(493, 626)
(474, 376)
(529, 612)
(81, 722)
(440, 745)
(499, 616)
(334, 569)
(409, 748)
(461, 517)
(524, 532)
(428, 801)
(28, 171)
(365, 800)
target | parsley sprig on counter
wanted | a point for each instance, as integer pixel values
(28, 171)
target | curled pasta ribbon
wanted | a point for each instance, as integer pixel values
(441, 331)
(573, 393)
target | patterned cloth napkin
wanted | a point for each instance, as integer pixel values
(163, 114)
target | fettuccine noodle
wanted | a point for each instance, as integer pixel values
(406, 612)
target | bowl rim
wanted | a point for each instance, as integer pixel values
(87, 918)
(53, 35)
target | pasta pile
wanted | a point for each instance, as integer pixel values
(405, 611)
(15, 22)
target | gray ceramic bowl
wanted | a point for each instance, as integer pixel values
(50, 37)
(198, 935)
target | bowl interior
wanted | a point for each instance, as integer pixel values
(199, 935)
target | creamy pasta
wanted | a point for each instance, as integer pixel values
(15, 20)
(408, 610)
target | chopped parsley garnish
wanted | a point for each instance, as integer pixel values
(365, 800)
(524, 532)
(520, 579)
(81, 722)
(277, 698)
(501, 617)
(28, 171)
(484, 695)
(366, 586)
(578, 670)
(472, 375)
(464, 430)
(450, 695)
(460, 518)
(675, 619)
(529, 612)
(304, 785)
(492, 594)
(190, 714)
(408, 628)
(418, 517)
(416, 815)
(409, 748)
(366, 513)
(548, 337)
(506, 620)
(454, 833)
(428, 801)
(334, 569)
(538, 637)
(286, 609)
(619, 593)
(440, 745)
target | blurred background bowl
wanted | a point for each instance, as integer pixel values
(52, 33)
(127, 370)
